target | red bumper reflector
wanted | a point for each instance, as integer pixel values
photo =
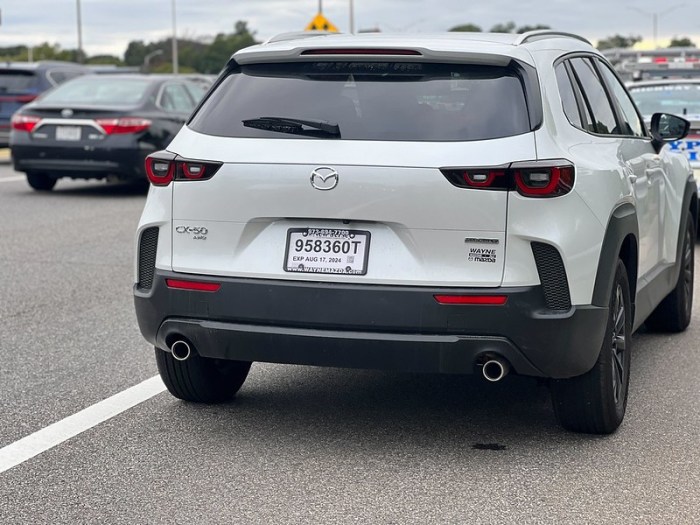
(496, 300)
(198, 286)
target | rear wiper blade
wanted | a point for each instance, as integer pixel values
(295, 126)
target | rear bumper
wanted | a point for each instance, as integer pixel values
(369, 326)
(75, 162)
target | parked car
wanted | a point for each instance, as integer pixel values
(98, 126)
(22, 82)
(680, 97)
(454, 203)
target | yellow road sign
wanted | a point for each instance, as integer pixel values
(321, 23)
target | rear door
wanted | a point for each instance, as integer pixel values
(608, 115)
(369, 204)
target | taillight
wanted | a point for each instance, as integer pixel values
(123, 125)
(360, 51)
(160, 168)
(24, 122)
(549, 178)
(22, 99)
(551, 181)
(163, 167)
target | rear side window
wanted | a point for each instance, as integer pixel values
(595, 97)
(632, 123)
(13, 81)
(568, 98)
(371, 100)
(175, 98)
(59, 76)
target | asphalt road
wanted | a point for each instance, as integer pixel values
(299, 444)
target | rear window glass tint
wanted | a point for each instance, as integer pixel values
(568, 98)
(371, 100)
(16, 81)
(595, 96)
(100, 90)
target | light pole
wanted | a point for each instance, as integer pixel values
(80, 33)
(352, 17)
(175, 59)
(655, 18)
(148, 57)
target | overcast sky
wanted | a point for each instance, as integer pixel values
(109, 25)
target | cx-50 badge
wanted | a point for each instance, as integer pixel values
(199, 233)
(324, 178)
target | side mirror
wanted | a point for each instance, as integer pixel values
(667, 128)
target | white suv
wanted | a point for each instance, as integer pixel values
(449, 203)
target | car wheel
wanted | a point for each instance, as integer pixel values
(41, 181)
(673, 313)
(200, 379)
(595, 402)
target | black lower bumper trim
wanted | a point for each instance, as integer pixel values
(404, 352)
(370, 326)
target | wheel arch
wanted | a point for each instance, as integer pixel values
(620, 242)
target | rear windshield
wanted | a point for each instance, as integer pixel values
(370, 101)
(16, 81)
(100, 90)
(679, 99)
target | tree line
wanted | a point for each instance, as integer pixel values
(208, 55)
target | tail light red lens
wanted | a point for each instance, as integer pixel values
(163, 167)
(545, 182)
(123, 125)
(193, 170)
(160, 171)
(22, 99)
(24, 122)
(548, 178)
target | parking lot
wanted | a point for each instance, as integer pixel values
(299, 444)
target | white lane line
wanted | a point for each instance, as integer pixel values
(55, 434)
(13, 179)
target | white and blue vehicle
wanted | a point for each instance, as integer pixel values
(679, 96)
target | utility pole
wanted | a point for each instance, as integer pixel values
(655, 19)
(175, 58)
(352, 17)
(80, 34)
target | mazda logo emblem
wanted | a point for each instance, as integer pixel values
(66, 113)
(324, 178)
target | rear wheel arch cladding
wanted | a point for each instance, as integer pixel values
(620, 242)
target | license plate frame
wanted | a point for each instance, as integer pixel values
(68, 133)
(358, 244)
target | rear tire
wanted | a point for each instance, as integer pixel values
(200, 379)
(673, 313)
(41, 181)
(595, 402)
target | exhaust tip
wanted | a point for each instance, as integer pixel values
(181, 350)
(495, 370)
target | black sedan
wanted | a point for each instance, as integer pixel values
(99, 126)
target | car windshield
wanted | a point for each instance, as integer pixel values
(370, 101)
(99, 90)
(679, 99)
(13, 81)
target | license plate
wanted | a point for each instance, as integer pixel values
(68, 133)
(327, 250)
